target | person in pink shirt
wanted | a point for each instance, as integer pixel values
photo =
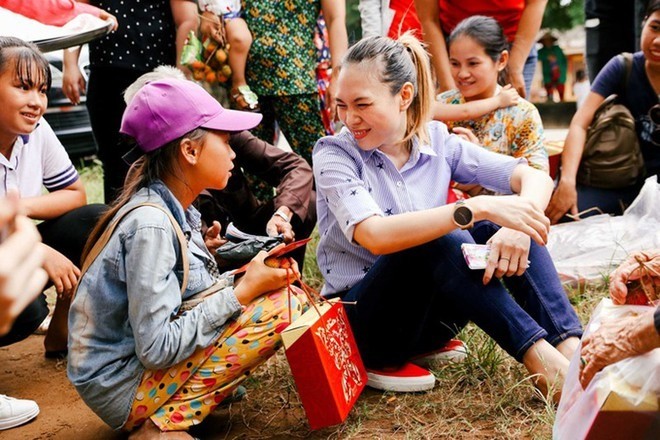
(54, 12)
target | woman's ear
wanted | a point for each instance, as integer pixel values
(189, 151)
(504, 60)
(407, 94)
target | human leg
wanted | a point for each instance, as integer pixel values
(183, 395)
(67, 234)
(609, 201)
(301, 121)
(27, 322)
(240, 40)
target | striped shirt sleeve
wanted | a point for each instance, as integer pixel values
(58, 171)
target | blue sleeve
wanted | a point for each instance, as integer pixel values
(610, 78)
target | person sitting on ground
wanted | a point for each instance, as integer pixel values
(389, 241)
(135, 363)
(239, 38)
(631, 336)
(478, 57)
(31, 158)
(291, 213)
(640, 96)
(21, 281)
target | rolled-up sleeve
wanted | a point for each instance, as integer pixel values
(337, 174)
(471, 163)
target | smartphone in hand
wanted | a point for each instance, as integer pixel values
(476, 255)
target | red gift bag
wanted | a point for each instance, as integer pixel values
(325, 363)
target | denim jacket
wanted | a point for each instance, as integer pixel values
(122, 317)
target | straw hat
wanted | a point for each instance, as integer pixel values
(547, 36)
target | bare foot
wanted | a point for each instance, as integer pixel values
(149, 431)
(568, 346)
(549, 368)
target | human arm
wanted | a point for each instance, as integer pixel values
(427, 11)
(55, 203)
(631, 270)
(564, 198)
(184, 13)
(508, 96)
(371, 18)
(616, 340)
(153, 289)
(21, 275)
(334, 13)
(73, 81)
(384, 235)
(528, 27)
(289, 173)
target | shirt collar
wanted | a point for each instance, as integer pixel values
(188, 219)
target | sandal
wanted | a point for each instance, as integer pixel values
(243, 98)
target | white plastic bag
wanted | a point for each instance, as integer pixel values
(588, 250)
(634, 381)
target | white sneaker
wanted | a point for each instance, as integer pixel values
(15, 412)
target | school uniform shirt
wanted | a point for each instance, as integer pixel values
(516, 130)
(121, 319)
(353, 185)
(37, 160)
(638, 97)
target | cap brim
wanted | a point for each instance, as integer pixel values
(233, 120)
(133, 155)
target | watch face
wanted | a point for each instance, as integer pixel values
(463, 215)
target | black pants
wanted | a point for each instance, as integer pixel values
(67, 234)
(105, 103)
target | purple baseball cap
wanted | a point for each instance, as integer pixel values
(164, 110)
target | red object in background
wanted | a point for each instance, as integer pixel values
(325, 363)
(405, 19)
(554, 149)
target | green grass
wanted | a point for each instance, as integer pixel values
(488, 396)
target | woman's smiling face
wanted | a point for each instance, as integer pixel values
(367, 107)
(474, 72)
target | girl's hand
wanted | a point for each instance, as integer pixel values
(61, 271)
(515, 212)
(466, 134)
(509, 253)
(212, 238)
(259, 278)
(507, 97)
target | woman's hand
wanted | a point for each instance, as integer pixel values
(514, 212)
(466, 134)
(563, 200)
(61, 271)
(616, 340)
(212, 238)
(73, 81)
(259, 278)
(631, 270)
(507, 97)
(509, 253)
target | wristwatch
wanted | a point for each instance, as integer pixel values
(463, 216)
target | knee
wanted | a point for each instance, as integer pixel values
(240, 40)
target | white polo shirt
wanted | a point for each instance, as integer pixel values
(37, 160)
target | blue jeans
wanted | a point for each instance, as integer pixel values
(413, 301)
(529, 69)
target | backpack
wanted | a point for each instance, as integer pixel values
(612, 157)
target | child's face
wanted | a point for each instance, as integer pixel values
(22, 104)
(215, 160)
(366, 106)
(650, 41)
(474, 72)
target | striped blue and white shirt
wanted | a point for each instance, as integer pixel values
(353, 185)
(36, 160)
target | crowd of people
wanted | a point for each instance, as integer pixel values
(437, 149)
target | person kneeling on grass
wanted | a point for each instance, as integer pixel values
(135, 363)
(390, 243)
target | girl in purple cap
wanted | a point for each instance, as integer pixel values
(136, 361)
